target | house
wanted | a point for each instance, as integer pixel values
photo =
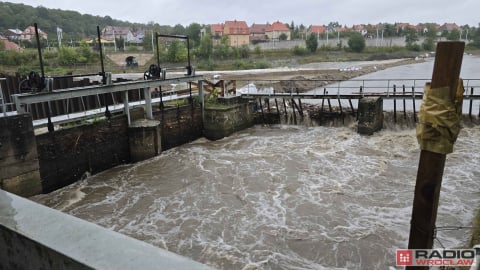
(12, 34)
(404, 26)
(258, 32)
(111, 32)
(317, 30)
(216, 33)
(135, 37)
(449, 27)
(275, 30)
(361, 28)
(9, 45)
(238, 33)
(342, 29)
(29, 34)
(216, 30)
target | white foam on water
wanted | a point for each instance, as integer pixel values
(284, 197)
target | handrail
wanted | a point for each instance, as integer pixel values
(4, 107)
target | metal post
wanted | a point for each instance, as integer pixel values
(404, 109)
(148, 102)
(446, 71)
(471, 104)
(413, 103)
(39, 47)
(126, 108)
(107, 79)
(394, 104)
(4, 108)
(202, 99)
(101, 55)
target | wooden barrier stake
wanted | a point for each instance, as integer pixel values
(446, 72)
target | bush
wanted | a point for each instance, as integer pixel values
(67, 56)
(208, 65)
(298, 50)
(414, 47)
(239, 64)
(244, 51)
(263, 65)
(312, 43)
(356, 42)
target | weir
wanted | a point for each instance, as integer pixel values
(69, 155)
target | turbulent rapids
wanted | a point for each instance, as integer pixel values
(280, 197)
(285, 197)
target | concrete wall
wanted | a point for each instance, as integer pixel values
(68, 154)
(370, 115)
(222, 120)
(19, 165)
(33, 236)
(179, 125)
(43, 163)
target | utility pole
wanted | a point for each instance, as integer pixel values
(446, 72)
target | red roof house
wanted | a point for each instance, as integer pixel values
(238, 33)
(275, 30)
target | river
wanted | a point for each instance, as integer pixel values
(282, 197)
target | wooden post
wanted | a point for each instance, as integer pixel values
(446, 72)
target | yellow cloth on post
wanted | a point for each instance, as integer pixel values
(439, 119)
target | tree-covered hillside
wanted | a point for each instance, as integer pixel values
(73, 24)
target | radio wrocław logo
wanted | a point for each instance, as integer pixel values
(436, 257)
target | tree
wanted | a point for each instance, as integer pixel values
(147, 41)
(356, 42)
(283, 36)
(223, 49)
(454, 35)
(389, 30)
(178, 29)
(67, 56)
(193, 32)
(312, 42)
(85, 53)
(2, 45)
(411, 38)
(206, 47)
(244, 51)
(430, 38)
(120, 43)
(476, 38)
(177, 51)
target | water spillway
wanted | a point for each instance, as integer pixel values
(280, 197)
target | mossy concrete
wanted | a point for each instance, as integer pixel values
(222, 120)
(370, 115)
(144, 139)
(19, 165)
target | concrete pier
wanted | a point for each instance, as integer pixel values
(144, 139)
(222, 120)
(370, 115)
(19, 164)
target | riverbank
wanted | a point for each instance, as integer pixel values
(308, 76)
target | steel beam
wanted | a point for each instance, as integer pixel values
(75, 92)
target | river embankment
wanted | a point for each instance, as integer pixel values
(310, 75)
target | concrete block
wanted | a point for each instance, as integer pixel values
(144, 139)
(370, 115)
(26, 185)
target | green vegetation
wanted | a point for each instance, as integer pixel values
(312, 43)
(356, 42)
(207, 52)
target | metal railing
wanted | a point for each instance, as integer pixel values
(22, 101)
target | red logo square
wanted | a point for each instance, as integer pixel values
(404, 257)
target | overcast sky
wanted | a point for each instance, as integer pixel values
(346, 12)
